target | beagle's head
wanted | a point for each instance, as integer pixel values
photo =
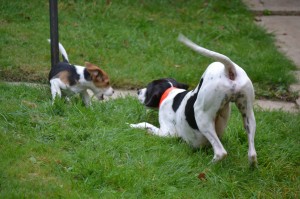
(100, 81)
(151, 95)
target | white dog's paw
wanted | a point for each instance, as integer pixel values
(142, 125)
(253, 159)
(219, 157)
(133, 125)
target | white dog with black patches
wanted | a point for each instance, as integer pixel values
(200, 116)
(74, 79)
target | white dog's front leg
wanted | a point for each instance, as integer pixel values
(151, 128)
(144, 125)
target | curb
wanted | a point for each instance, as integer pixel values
(275, 13)
(274, 7)
(267, 105)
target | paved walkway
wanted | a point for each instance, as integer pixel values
(283, 20)
(120, 93)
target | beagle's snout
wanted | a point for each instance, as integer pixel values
(138, 91)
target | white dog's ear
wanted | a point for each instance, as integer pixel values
(178, 84)
(154, 92)
(152, 99)
(183, 86)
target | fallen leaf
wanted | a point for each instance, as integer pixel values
(202, 176)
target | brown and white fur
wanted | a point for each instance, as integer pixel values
(200, 116)
(72, 79)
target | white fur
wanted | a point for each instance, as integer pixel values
(211, 108)
(62, 50)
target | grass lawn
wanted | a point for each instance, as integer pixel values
(69, 151)
(135, 41)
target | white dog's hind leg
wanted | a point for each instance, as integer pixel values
(245, 106)
(246, 109)
(250, 125)
(207, 127)
(222, 120)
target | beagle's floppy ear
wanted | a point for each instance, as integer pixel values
(94, 70)
(88, 64)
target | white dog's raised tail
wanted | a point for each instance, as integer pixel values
(229, 65)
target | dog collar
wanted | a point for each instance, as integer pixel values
(165, 94)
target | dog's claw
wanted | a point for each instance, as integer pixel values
(253, 162)
(219, 157)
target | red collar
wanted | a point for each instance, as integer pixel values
(165, 94)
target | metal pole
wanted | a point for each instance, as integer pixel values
(54, 32)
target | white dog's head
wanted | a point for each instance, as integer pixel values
(150, 96)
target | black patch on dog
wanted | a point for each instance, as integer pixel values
(62, 66)
(156, 88)
(87, 75)
(177, 100)
(189, 108)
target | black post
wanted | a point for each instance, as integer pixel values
(54, 32)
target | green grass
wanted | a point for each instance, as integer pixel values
(136, 41)
(69, 151)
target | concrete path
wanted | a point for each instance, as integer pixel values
(274, 7)
(121, 93)
(282, 18)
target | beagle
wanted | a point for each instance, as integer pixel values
(72, 79)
